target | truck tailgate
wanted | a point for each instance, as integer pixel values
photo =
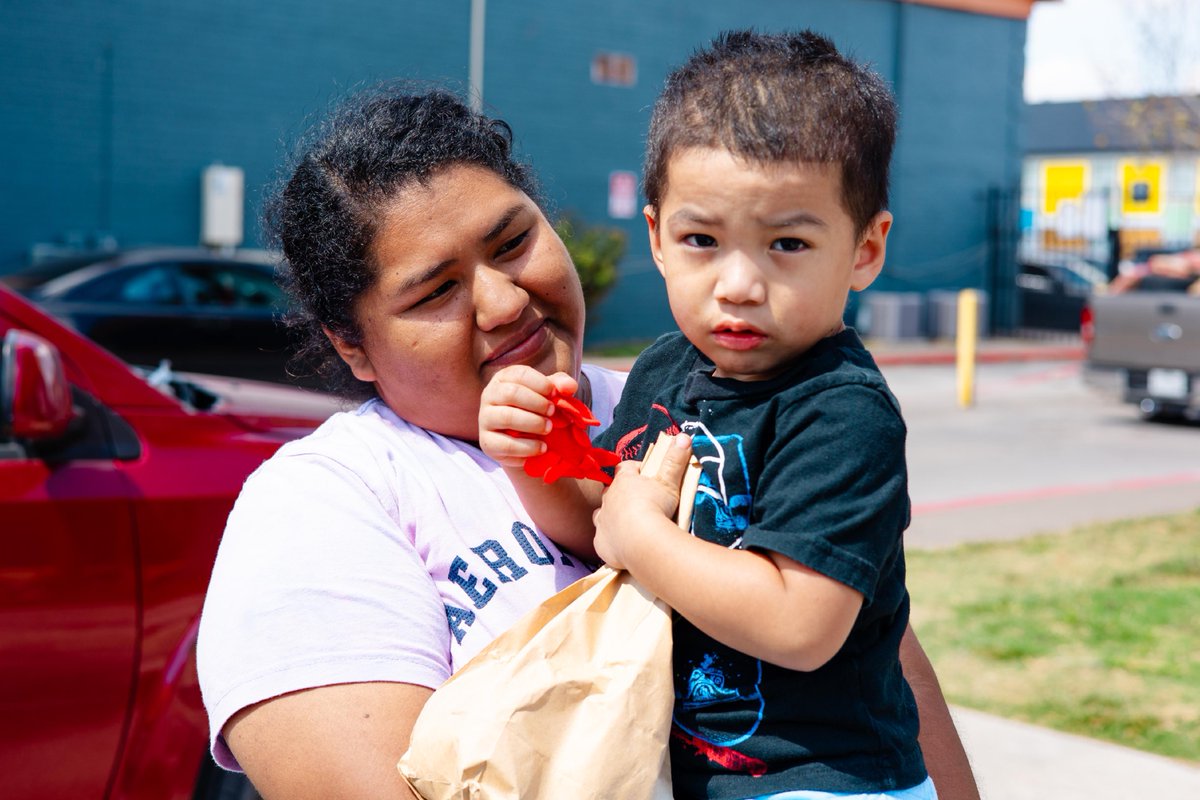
(1146, 329)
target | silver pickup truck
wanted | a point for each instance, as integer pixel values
(1147, 341)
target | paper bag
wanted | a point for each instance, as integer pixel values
(574, 701)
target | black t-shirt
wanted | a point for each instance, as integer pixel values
(809, 464)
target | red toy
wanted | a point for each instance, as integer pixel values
(569, 451)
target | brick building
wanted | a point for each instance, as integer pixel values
(113, 108)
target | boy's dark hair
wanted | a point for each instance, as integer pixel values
(771, 98)
(326, 216)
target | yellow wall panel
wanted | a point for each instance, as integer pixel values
(1063, 181)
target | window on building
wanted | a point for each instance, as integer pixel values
(614, 69)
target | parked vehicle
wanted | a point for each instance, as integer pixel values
(202, 310)
(1052, 292)
(1146, 339)
(114, 488)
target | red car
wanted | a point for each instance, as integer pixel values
(114, 488)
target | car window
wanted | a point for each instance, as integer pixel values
(151, 284)
(231, 286)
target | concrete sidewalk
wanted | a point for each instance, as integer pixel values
(1016, 761)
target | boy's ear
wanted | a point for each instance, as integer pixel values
(872, 248)
(651, 214)
(354, 356)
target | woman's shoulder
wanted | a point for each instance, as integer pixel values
(607, 386)
(367, 446)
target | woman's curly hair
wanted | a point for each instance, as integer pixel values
(325, 217)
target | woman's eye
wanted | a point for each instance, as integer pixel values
(436, 293)
(700, 240)
(788, 245)
(513, 243)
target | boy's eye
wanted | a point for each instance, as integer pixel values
(700, 240)
(513, 243)
(789, 245)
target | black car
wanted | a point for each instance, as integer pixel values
(1051, 292)
(201, 310)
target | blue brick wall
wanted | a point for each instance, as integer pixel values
(110, 109)
(959, 87)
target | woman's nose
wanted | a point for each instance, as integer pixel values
(740, 280)
(499, 299)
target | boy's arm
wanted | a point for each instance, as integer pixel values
(802, 618)
(516, 401)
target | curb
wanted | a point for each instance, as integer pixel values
(938, 356)
(999, 356)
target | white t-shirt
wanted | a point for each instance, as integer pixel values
(371, 550)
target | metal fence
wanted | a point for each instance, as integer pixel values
(1042, 266)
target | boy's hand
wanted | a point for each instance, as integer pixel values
(517, 401)
(639, 494)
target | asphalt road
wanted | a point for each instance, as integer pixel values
(1039, 451)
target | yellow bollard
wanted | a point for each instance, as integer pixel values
(967, 334)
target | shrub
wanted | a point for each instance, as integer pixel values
(596, 251)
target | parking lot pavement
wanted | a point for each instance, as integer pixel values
(937, 351)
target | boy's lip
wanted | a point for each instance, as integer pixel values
(738, 335)
(519, 347)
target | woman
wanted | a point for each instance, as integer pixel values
(365, 562)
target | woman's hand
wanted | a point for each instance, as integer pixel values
(641, 495)
(515, 408)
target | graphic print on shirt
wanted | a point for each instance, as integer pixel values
(492, 554)
(708, 675)
(722, 510)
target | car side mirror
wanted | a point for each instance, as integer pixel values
(35, 398)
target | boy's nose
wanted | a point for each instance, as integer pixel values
(499, 299)
(740, 281)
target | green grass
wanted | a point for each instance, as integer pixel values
(1095, 631)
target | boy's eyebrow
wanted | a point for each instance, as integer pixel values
(800, 218)
(688, 215)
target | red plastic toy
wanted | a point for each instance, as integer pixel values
(569, 451)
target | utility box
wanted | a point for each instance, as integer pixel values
(943, 313)
(892, 315)
(223, 191)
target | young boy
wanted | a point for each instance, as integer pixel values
(766, 178)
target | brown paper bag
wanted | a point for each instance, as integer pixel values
(574, 701)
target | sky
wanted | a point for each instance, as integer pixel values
(1091, 49)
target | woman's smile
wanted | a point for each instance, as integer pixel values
(521, 348)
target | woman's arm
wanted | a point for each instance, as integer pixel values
(332, 741)
(945, 757)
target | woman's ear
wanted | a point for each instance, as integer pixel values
(872, 248)
(651, 214)
(355, 357)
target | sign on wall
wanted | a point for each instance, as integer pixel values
(1141, 187)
